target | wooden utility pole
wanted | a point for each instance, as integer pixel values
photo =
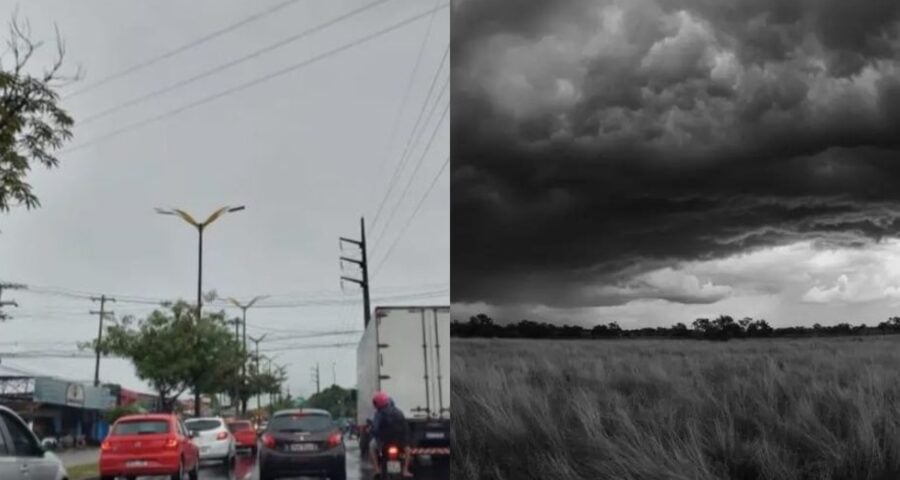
(102, 313)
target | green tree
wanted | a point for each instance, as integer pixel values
(115, 413)
(339, 401)
(32, 124)
(174, 352)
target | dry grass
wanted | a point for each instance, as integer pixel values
(666, 409)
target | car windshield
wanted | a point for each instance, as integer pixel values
(202, 425)
(301, 423)
(239, 426)
(141, 427)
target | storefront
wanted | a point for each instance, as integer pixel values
(70, 409)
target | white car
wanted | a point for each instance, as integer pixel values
(213, 439)
(21, 455)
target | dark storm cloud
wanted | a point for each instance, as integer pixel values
(595, 140)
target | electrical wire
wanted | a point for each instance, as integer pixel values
(406, 91)
(412, 177)
(287, 338)
(412, 133)
(176, 51)
(421, 296)
(411, 217)
(144, 302)
(254, 82)
(227, 65)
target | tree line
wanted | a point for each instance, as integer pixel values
(722, 328)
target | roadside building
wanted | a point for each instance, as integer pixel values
(67, 410)
(124, 397)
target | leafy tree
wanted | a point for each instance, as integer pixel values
(116, 413)
(680, 330)
(174, 352)
(339, 401)
(32, 124)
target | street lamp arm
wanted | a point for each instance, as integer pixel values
(256, 299)
(215, 215)
(186, 217)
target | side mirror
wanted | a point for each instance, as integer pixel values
(192, 433)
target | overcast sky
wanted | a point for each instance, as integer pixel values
(652, 162)
(307, 151)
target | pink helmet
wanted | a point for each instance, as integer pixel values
(381, 400)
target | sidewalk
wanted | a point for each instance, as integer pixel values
(78, 457)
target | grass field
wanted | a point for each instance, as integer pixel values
(669, 409)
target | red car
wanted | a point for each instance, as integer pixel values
(151, 444)
(244, 434)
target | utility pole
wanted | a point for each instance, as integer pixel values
(256, 342)
(10, 303)
(333, 374)
(238, 382)
(315, 377)
(102, 313)
(363, 266)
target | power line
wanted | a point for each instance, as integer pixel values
(311, 347)
(285, 338)
(411, 217)
(406, 91)
(254, 82)
(412, 177)
(227, 65)
(183, 48)
(142, 302)
(412, 133)
(350, 302)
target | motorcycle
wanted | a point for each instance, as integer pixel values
(392, 458)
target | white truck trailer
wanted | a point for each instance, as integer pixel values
(405, 352)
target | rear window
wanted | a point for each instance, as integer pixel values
(141, 427)
(202, 425)
(239, 426)
(301, 423)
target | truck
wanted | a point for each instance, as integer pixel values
(405, 352)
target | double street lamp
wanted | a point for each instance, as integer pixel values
(244, 308)
(200, 226)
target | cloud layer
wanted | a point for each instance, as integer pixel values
(596, 144)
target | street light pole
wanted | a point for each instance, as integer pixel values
(256, 341)
(244, 308)
(200, 226)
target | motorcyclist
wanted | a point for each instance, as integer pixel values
(384, 430)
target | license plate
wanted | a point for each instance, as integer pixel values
(303, 447)
(393, 466)
(434, 434)
(136, 463)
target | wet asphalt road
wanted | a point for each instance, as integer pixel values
(246, 469)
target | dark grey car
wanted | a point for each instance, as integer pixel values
(302, 442)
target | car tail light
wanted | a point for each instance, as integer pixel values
(334, 440)
(222, 436)
(106, 446)
(392, 452)
(268, 440)
(171, 443)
